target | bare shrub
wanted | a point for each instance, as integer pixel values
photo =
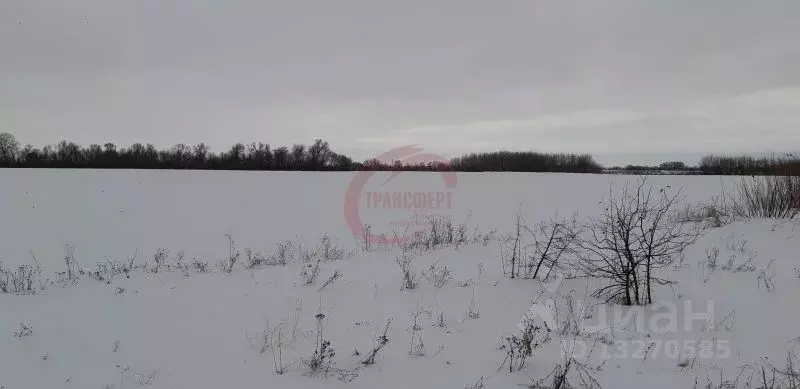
(233, 255)
(766, 197)
(438, 275)
(254, 259)
(766, 277)
(712, 258)
(727, 323)
(512, 248)
(275, 339)
(131, 375)
(322, 358)
(711, 215)
(347, 376)
(762, 375)
(38, 272)
(108, 270)
(160, 260)
(485, 238)
(179, 264)
(283, 253)
(479, 384)
(103, 273)
(436, 233)
(5, 279)
(417, 348)
(534, 252)
(636, 233)
(550, 242)
(714, 216)
(367, 238)
(381, 342)
(726, 383)
(519, 348)
(441, 322)
(335, 276)
(459, 235)
(19, 281)
(23, 331)
(309, 272)
(568, 374)
(282, 256)
(439, 233)
(199, 265)
(22, 280)
(738, 264)
(73, 269)
(788, 376)
(570, 314)
(465, 283)
(409, 274)
(741, 260)
(127, 268)
(325, 251)
(330, 251)
(473, 312)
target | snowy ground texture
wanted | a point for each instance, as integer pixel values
(165, 319)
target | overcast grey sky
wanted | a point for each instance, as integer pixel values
(661, 77)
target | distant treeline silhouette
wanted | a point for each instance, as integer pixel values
(722, 165)
(255, 156)
(319, 157)
(261, 156)
(748, 165)
(527, 161)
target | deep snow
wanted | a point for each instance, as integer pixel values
(114, 213)
(185, 329)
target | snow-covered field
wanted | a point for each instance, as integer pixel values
(112, 214)
(168, 324)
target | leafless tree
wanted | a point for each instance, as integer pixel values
(551, 241)
(529, 251)
(512, 248)
(636, 233)
(8, 147)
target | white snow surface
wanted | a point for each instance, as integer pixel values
(176, 329)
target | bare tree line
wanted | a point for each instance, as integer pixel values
(320, 156)
(527, 161)
(745, 165)
(262, 156)
(255, 156)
